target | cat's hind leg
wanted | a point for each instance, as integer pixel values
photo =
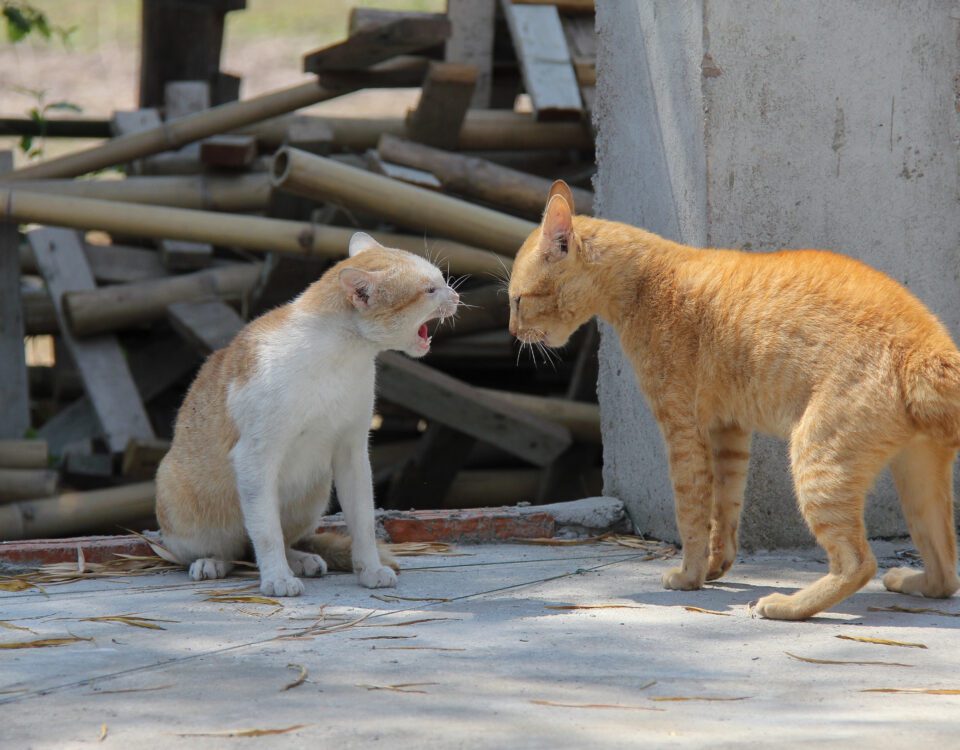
(208, 568)
(731, 456)
(306, 564)
(923, 474)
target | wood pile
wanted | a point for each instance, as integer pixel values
(225, 208)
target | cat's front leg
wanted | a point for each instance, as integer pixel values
(692, 480)
(352, 476)
(257, 479)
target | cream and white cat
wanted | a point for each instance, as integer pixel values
(283, 411)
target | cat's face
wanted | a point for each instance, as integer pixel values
(395, 295)
(547, 289)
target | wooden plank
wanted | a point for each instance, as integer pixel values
(548, 73)
(207, 325)
(282, 279)
(375, 43)
(443, 104)
(449, 401)
(180, 255)
(582, 41)
(411, 175)
(471, 42)
(229, 151)
(182, 98)
(155, 367)
(121, 264)
(141, 458)
(14, 384)
(572, 7)
(127, 122)
(100, 360)
(425, 478)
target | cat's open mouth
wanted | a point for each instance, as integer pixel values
(423, 337)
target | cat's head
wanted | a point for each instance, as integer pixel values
(549, 293)
(394, 295)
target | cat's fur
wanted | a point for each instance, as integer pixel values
(284, 410)
(804, 344)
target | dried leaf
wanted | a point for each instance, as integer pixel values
(593, 606)
(382, 637)
(707, 611)
(620, 707)
(11, 626)
(323, 630)
(414, 622)
(880, 641)
(916, 691)
(244, 732)
(81, 560)
(551, 542)
(392, 598)
(666, 698)
(15, 584)
(132, 620)
(914, 610)
(301, 678)
(230, 591)
(412, 549)
(859, 663)
(103, 732)
(415, 648)
(43, 642)
(243, 599)
(402, 687)
(131, 690)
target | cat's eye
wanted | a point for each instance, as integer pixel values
(431, 290)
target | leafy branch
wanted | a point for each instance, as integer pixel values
(23, 19)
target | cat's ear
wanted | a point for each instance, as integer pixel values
(362, 241)
(559, 187)
(360, 287)
(556, 230)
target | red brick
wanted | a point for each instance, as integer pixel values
(95, 549)
(468, 527)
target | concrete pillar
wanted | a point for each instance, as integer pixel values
(764, 124)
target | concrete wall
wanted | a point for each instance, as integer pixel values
(763, 124)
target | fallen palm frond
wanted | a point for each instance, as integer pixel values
(16, 584)
(301, 678)
(12, 691)
(244, 732)
(916, 691)
(703, 611)
(133, 620)
(315, 630)
(402, 687)
(230, 591)
(121, 565)
(131, 690)
(593, 606)
(392, 598)
(242, 599)
(382, 637)
(914, 610)
(11, 626)
(44, 642)
(413, 549)
(659, 549)
(615, 706)
(811, 660)
(413, 622)
(673, 698)
(880, 641)
(415, 648)
(103, 732)
(551, 542)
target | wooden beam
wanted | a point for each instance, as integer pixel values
(572, 7)
(582, 41)
(375, 43)
(449, 401)
(207, 325)
(106, 375)
(548, 73)
(443, 104)
(14, 385)
(141, 458)
(425, 478)
(480, 179)
(180, 255)
(471, 42)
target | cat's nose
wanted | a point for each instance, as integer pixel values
(454, 298)
(512, 327)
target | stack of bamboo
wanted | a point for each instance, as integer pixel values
(226, 211)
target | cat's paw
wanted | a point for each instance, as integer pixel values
(207, 568)
(677, 579)
(780, 607)
(919, 583)
(717, 567)
(281, 585)
(307, 564)
(377, 578)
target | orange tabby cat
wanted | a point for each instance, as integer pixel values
(804, 344)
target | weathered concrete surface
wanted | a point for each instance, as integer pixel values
(494, 648)
(765, 124)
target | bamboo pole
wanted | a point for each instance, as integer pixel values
(250, 232)
(580, 417)
(482, 130)
(244, 192)
(24, 454)
(22, 484)
(76, 512)
(120, 306)
(320, 178)
(472, 177)
(176, 133)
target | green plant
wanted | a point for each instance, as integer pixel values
(31, 145)
(24, 19)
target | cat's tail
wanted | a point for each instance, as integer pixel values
(335, 550)
(931, 386)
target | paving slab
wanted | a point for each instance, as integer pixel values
(480, 653)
